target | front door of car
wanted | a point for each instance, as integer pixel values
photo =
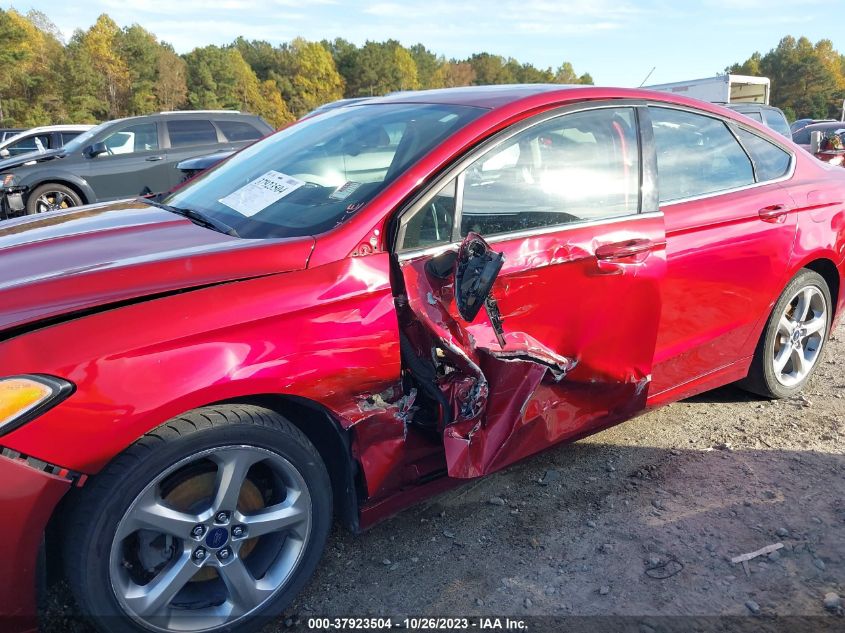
(133, 163)
(559, 217)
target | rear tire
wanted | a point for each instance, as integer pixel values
(51, 197)
(135, 529)
(793, 340)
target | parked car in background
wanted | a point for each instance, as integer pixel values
(9, 132)
(122, 158)
(803, 136)
(830, 146)
(802, 123)
(769, 116)
(193, 166)
(41, 139)
(365, 309)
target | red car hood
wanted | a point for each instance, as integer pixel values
(64, 262)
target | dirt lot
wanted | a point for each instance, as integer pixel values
(640, 520)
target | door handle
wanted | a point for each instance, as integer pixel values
(773, 213)
(153, 158)
(624, 250)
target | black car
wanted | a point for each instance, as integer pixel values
(769, 116)
(121, 159)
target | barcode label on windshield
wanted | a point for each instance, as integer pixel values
(259, 194)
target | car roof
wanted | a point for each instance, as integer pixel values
(739, 107)
(540, 95)
(827, 125)
(479, 96)
(57, 128)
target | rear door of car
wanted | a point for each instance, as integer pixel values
(134, 164)
(196, 136)
(567, 341)
(729, 234)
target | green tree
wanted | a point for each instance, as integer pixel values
(807, 79)
(380, 68)
(308, 76)
(491, 69)
(171, 89)
(429, 67)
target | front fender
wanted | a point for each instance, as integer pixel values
(328, 334)
(39, 177)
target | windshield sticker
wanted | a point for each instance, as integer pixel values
(259, 194)
(345, 190)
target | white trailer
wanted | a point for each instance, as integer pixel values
(722, 89)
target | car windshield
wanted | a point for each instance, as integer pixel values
(83, 139)
(305, 179)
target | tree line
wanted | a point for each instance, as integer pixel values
(808, 80)
(108, 72)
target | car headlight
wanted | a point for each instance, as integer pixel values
(7, 179)
(23, 398)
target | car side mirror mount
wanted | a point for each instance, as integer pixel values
(95, 149)
(476, 269)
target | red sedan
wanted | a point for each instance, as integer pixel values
(370, 306)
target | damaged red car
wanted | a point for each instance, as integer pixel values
(373, 305)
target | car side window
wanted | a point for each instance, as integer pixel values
(576, 167)
(434, 222)
(69, 136)
(185, 132)
(38, 143)
(135, 138)
(696, 155)
(777, 122)
(237, 130)
(770, 161)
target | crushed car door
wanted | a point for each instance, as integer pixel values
(540, 324)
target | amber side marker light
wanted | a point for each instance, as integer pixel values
(23, 398)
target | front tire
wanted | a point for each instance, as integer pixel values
(51, 197)
(212, 522)
(793, 340)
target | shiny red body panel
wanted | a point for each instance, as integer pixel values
(27, 499)
(150, 316)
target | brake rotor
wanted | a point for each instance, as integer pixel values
(197, 491)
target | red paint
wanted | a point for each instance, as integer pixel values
(27, 498)
(601, 322)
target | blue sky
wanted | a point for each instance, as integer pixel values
(617, 41)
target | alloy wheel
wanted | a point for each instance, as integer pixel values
(800, 335)
(210, 540)
(53, 201)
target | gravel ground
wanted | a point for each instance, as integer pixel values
(640, 520)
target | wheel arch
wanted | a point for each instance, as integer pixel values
(830, 273)
(332, 441)
(82, 188)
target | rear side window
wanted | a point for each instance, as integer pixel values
(186, 132)
(777, 122)
(238, 131)
(69, 136)
(696, 155)
(770, 160)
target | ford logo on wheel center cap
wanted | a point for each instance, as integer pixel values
(217, 538)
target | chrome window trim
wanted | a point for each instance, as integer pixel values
(459, 167)
(728, 123)
(526, 233)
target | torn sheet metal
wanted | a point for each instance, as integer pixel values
(565, 362)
